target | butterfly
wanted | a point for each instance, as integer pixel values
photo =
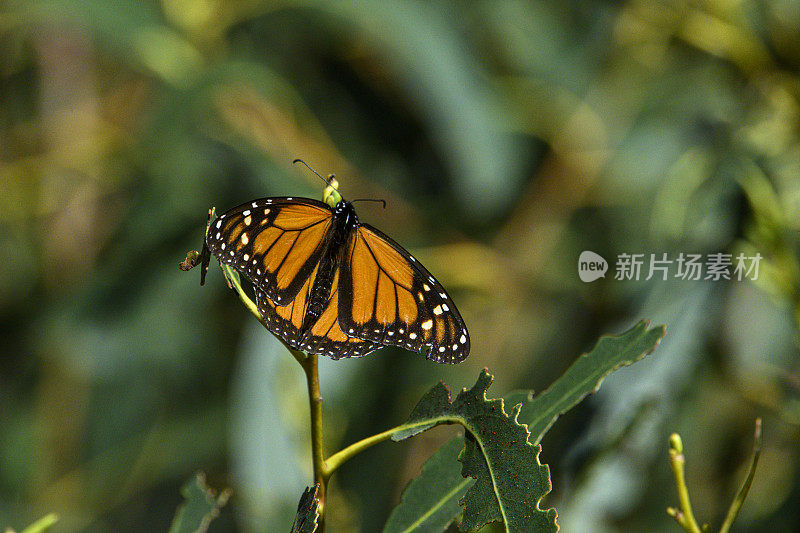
(330, 285)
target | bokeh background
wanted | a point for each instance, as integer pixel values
(505, 136)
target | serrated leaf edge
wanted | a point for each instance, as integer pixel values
(483, 383)
(513, 417)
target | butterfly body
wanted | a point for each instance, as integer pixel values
(345, 221)
(327, 284)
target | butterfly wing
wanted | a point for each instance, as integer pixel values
(380, 294)
(388, 297)
(276, 242)
(324, 337)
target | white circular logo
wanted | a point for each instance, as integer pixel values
(591, 266)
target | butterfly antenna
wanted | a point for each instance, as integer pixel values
(326, 180)
(381, 200)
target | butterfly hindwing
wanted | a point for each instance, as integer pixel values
(286, 321)
(388, 297)
(276, 242)
(324, 337)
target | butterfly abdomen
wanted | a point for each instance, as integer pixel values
(320, 292)
(344, 222)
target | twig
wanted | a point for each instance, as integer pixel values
(684, 515)
(736, 505)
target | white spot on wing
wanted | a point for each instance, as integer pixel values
(428, 324)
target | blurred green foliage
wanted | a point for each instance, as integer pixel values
(506, 137)
(201, 506)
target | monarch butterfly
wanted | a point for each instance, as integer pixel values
(327, 284)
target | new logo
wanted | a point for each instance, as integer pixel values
(591, 266)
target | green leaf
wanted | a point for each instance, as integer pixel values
(430, 502)
(200, 508)
(43, 524)
(584, 377)
(510, 481)
(539, 413)
(307, 511)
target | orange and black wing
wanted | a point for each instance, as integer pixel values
(324, 336)
(276, 242)
(387, 297)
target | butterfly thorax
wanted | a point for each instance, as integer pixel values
(345, 222)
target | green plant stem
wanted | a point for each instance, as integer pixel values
(321, 475)
(684, 516)
(737, 502)
(339, 458)
(342, 456)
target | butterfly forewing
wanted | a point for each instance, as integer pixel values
(388, 297)
(276, 242)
